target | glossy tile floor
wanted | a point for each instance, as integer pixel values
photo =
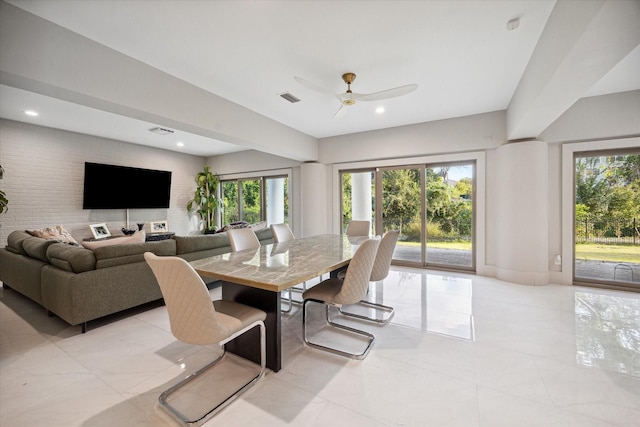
(462, 350)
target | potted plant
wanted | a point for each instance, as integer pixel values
(3, 202)
(3, 196)
(205, 200)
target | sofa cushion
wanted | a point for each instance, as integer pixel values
(36, 247)
(189, 244)
(137, 237)
(71, 258)
(15, 241)
(110, 256)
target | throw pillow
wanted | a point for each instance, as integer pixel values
(259, 226)
(58, 233)
(237, 224)
(137, 237)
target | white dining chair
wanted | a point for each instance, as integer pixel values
(242, 239)
(334, 292)
(358, 228)
(281, 232)
(195, 319)
(379, 272)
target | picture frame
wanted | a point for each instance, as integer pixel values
(159, 226)
(100, 231)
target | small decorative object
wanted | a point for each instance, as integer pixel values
(99, 231)
(159, 227)
(140, 226)
(205, 200)
(128, 231)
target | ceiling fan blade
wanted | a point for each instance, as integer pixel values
(340, 112)
(389, 93)
(311, 85)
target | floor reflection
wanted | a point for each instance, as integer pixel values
(608, 332)
(445, 302)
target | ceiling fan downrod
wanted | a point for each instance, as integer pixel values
(348, 79)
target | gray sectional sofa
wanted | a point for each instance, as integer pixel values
(80, 285)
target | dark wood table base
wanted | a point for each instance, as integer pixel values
(247, 345)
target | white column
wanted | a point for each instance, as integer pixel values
(275, 202)
(313, 178)
(522, 213)
(361, 196)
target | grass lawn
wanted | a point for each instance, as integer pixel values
(441, 245)
(613, 253)
(592, 252)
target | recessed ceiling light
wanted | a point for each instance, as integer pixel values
(31, 113)
(380, 110)
(180, 144)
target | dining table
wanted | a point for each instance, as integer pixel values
(256, 277)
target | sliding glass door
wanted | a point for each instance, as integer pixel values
(400, 209)
(607, 218)
(431, 206)
(449, 215)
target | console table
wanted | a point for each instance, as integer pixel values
(161, 235)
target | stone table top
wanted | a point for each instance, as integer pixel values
(278, 266)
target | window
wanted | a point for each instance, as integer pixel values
(255, 199)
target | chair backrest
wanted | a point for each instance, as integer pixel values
(242, 239)
(281, 232)
(356, 282)
(358, 228)
(192, 316)
(383, 257)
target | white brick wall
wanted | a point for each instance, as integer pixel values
(44, 173)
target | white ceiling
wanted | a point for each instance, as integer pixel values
(460, 53)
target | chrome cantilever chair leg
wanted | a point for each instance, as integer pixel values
(290, 300)
(370, 337)
(378, 307)
(164, 398)
(385, 309)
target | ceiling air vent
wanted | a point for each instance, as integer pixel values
(292, 99)
(161, 131)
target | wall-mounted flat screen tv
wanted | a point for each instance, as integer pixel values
(121, 187)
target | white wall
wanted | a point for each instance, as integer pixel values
(44, 172)
(521, 237)
(598, 117)
(470, 133)
(248, 161)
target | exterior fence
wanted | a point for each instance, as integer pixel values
(609, 231)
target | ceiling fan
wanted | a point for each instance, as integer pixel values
(349, 98)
